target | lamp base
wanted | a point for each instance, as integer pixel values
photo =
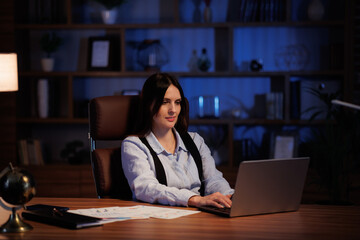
(15, 224)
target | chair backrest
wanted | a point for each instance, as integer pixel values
(111, 118)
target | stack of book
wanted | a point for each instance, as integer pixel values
(274, 105)
(30, 152)
(256, 10)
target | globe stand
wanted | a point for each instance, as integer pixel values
(15, 224)
(17, 187)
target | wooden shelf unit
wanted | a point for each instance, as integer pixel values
(224, 67)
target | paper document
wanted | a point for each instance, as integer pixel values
(134, 212)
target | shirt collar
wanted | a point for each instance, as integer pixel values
(158, 148)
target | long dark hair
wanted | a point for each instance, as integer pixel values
(151, 99)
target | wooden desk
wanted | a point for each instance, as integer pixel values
(310, 222)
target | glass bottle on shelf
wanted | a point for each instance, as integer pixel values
(152, 55)
(193, 62)
(204, 61)
(207, 12)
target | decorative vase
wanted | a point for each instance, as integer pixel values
(316, 10)
(109, 16)
(207, 14)
(204, 61)
(47, 64)
(152, 55)
(207, 11)
(43, 98)
(256, 65)
(193, 62)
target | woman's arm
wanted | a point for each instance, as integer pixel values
(214, 180)
(139, 170)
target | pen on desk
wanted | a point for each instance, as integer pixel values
(56, 212)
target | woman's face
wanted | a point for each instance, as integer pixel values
(169, 111)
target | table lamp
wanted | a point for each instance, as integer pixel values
(8, 72)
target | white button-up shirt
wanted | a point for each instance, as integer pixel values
(180, 168)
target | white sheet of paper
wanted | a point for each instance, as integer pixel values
(134, 212)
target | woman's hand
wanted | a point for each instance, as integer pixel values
(216, 199)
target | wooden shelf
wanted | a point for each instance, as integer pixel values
(192, 121)
(253, 122)
(181, 25)
(182, 74)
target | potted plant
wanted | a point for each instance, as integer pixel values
(75, 153)
(335, 148)
(50, 42)
(109, 14)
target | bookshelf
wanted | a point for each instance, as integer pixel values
(77, 20)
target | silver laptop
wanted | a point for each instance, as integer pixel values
(266, 186)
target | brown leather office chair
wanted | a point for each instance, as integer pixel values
(111, 118)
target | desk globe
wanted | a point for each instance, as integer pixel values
(17, 187)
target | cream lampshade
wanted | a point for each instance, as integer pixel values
(8, 72)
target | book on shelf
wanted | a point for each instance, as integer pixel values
(46, 11)
(23, 152)
(295, 100)
(271, 10)
(233, 14)
(256, 11)
(274, 105)
(279, 10)
(30, 152)
(242, 10)
(248, 10)
(55, 98)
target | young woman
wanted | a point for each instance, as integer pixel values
(161, 121)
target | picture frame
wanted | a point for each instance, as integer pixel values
(283, 145)
(102, 54)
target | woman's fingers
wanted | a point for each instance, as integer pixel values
(216, 199)
(219, 200)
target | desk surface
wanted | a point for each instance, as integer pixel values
(310, 222)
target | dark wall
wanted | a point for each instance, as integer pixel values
(7, 100)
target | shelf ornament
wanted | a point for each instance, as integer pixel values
(316, 10)
(204, 62)
(294, 57)
(207, 12)
(152, 55)
(109, 14)
(50, 43)
(17, 187)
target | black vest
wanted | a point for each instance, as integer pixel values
(190, 145)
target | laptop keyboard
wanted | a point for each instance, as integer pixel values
(223, 211)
